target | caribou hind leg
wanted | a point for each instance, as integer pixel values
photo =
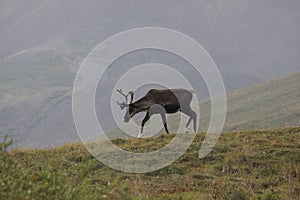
(164, 120)
(193, 116)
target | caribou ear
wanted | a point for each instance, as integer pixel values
(131, 95)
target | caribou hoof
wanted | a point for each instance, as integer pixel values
(140, 136)
(187, 131)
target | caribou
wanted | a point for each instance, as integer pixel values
(159, 102)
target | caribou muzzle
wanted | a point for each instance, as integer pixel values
(127, 116)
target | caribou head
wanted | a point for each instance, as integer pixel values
(130, 111)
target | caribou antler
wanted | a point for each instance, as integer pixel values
(125, 104)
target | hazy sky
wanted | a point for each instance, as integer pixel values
(257, 38)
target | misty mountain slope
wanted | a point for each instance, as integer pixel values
(33, 72)
(44, 120)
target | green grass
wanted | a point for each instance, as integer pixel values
(243, 165)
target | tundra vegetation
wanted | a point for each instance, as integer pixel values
(258, 164)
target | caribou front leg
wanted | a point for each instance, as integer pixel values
(146, 118)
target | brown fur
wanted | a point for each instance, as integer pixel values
(162, 102)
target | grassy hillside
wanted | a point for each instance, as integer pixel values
(243, 165)
(272, 104)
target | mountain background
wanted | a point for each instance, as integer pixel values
(44, 42)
